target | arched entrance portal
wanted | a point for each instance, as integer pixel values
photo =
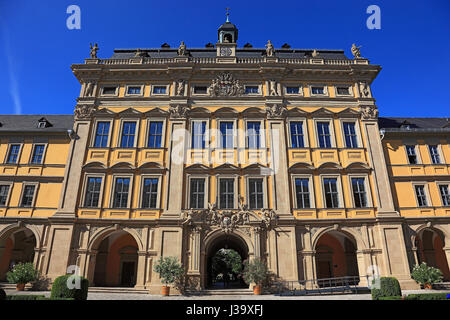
(335, 256)
(116, 261)
(15, 248)
(221, 247)
(430, 245)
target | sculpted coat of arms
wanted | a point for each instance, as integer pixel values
(225, 85)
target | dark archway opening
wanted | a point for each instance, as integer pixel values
(223, 260)
(116, 261)
(16, 248)
(430, 246)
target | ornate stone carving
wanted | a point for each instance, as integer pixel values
(225, 85)
(364, 89)
(179, 88)
(315, 53)
(276, 111)
(270, 51)
(182, 49)
(179, 111)
(94, 50)
(356, 52)
(90, 88)
(369, 112)
(273, 91)
(84, 112)
(140, 53)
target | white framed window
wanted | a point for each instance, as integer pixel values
(256, 192)
(199, 89)
(325, 136)
(303, 191)
(5, 193)
(253, 89)
(360, 191)
(351, 133)
(134, 90)
(129, 133)
(101, 133)
(412, 154)
(444, 191)
(13, 153)
(38, 153)
(160, 89)
(332, 196)
(150, 191)
(318, 90)
(255, 134)
(198, 195)
(435, 154)
(293, 89)
(227, 191)
(109, 90)
(92, 192)
(343, 90)
(156, 133)
(121, 191)
(228, 134)
(199, 134)
(298, 132)
(28, 195)
(422, 195)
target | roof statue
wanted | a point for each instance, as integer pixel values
(355, 51)
(270, 51)
(94, 50)
(182, 49)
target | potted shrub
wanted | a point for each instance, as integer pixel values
(21, 274)
(255, 271)
(170, 271)
(426, 275)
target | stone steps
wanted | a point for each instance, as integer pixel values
(227, 292)
(116, 290)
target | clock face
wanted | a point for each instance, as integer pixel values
(225, 52)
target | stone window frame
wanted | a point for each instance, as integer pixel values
(247, 177)
(141, 85)
(33, 203)
(103, 86)
(10, 184)
(340, 190)
(192, 89)
(438, 184)
(19, 155)
(350, 90)
(84, 189)
(144, 176)
(263, 142)
(332, 132)
(218, 144)
(366, 186)
(357, 131)
(440, 153)
(44, 153)
(304, 120)
(312, 194)
(235, 177)
(113, 188)
(325, 90)
(153, 85)
(417, 151)
(299, 86)
(136, 135)
(253, 84)
(147, 131)
(190, 176)
(94, 132)
(207, 132)
(427, 193)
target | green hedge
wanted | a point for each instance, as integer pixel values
(428, 296)
(390, 298)
(25, 297)
(60, 289)
(389, 287)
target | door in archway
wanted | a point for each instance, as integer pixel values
(128, 274)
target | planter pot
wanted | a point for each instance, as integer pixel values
(20, 286)
(165, 291)
(428, 286)
(257, 289)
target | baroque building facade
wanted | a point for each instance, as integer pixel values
(275, 153)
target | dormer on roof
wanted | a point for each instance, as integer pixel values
(43, 123)
(405, 125)
(165, 45)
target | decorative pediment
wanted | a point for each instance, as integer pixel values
(197, 167)
(104, 113)
(330, 165)
(253, 111)
(94, 165)
(152, 166)
(301, 166)
(349, 112)
(225, 86)
(199, 112)
(130, 112)
(227, 167)
(123, 165)
(258, 168)
(226, 112)
(322, 112)
(357, 166)
(296, 112)
(156, 112)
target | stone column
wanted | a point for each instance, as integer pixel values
(256, 234)
(140, 278)
(447, 254)
(92, 257)
(194, 257)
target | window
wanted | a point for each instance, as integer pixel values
(197, 189)
(351, 141)
(198, 134)
(38, 153)
(251, 89)
(323, 132)
(256, 193)
(200, 90)
(317, 90)
(343, 91)
(445, 195)
(421, 197)
(292, 90)
(121, 189)
(159, 89)
(109, 90)
(13, 153)
(155, 134)
(4, 190)
(27, 196)
(227, 134)
(226, 193)
(434, 153)
(128, 133)
(411, 153)
(359, 192)
(92, 196)
(101, 135)
(331, 193)
(297, 134)
(134, 90)
(302, 193)
(150, 193)
(253, 135)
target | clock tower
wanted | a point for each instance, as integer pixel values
(227, 39)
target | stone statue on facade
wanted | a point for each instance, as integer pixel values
(84, 112)
(273, 88)
(270, 51)
(276, 111)
(89, 89)
(364, 89)
(182, 49)
(315, 53)
(140, 53)
(369, 112)
(179, 89)
(225, 85)
(94, 50)
(356, 52)
(179, 111)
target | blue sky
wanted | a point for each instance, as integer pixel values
(37, 49)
